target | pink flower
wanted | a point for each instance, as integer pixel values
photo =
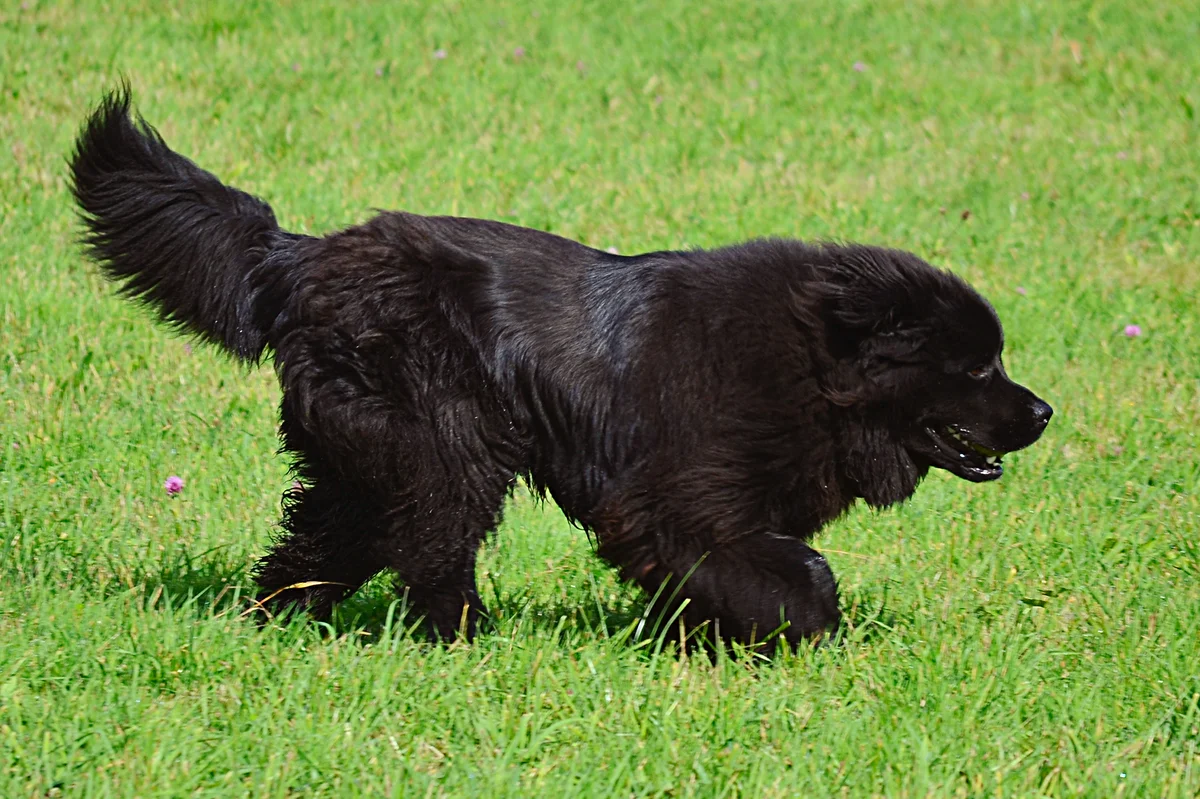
(1021, 290)
(519, 52)
(859, 66)
(439, 54)
(1132, 331)
(173, 485)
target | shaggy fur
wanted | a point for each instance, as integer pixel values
(702, 413)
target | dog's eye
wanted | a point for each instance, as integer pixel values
(980, 372)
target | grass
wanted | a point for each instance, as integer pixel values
(1035, 637)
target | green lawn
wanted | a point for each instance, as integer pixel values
(1039, 636)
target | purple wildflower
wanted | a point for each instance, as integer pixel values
(173, 485)
(859, 66)
(1132, 331)
(439, 54)
(1021, 290)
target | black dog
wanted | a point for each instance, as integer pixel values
(702, 413)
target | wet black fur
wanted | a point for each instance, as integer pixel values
(702, 413)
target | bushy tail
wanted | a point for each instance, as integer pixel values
(209, 258)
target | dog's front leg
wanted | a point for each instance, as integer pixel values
(749, 589)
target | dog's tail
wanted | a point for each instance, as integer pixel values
(209, 258)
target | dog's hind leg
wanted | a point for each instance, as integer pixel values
(423, 492)
(327, 551)
(437, 524)
(420, 441)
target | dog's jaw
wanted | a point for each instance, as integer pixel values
(955, 452)
(881, 467)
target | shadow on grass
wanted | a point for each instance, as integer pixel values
(867, 617)
(217, 582)
(210, 583)
(375, 613)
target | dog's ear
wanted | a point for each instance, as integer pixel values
(895, 340)
(861, 319)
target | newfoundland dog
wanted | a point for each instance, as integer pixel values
(701, 413)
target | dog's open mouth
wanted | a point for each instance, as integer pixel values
(959, 455)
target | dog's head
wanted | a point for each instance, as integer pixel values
(920, 351)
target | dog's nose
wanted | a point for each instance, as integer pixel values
(1041, 414)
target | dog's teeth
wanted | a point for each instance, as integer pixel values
(991, 459)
